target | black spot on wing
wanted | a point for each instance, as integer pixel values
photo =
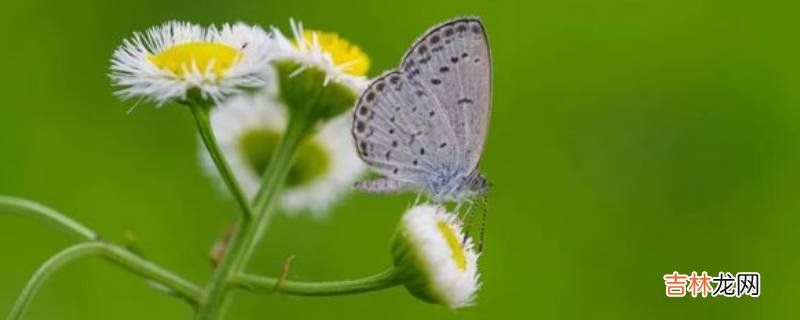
(476, 29)
(363, 110)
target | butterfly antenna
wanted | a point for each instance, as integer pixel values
(483, 221)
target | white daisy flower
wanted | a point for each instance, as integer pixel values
(340, 61)
(438, 264)
(249, 128)
(169, 61)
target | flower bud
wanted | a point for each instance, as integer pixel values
(320, 74)
(436, 262)
(307, 89)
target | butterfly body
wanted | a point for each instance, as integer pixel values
(423, 125)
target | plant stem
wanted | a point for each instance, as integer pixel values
(48, 268)
(272, 182)
(200, 113)
(120, 256)
(145, 268)
(246, 236)
(261, 284)
(217, 289)
(48, 215)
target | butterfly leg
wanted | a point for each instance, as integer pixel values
(469, 208)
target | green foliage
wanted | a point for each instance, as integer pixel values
(629, 139)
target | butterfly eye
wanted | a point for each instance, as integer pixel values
(477, 183)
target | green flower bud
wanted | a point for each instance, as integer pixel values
(308, 90)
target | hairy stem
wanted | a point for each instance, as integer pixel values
(246, 237)
(33, 209)
(145, 268)
(271, 184)
(120, 256)
(217, 288)
(200, 113)
(261, 284)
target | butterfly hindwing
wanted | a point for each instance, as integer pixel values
(400, 130)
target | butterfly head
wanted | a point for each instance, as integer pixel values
(479, 186)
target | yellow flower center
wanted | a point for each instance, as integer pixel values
(345, 54)
(454, 243)
(181, 59)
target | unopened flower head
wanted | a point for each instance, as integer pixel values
(249, 128)
(438, 263)
(340, 60)
(178, 59)
(336, 68)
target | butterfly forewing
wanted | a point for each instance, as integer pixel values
(452, 61)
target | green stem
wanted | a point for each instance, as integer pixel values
(218, 288)
(26, 207)
(145, 268)
(261, 284)
(48, 268)
(246, 237)
(210, 141)
(120, 256)
(273, 181)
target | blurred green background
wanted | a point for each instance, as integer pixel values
(629, 139)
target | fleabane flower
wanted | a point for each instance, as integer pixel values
(249, 128)
(436, 262)
(182, 61)
(319, 66)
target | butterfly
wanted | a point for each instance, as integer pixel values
(423, 126)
